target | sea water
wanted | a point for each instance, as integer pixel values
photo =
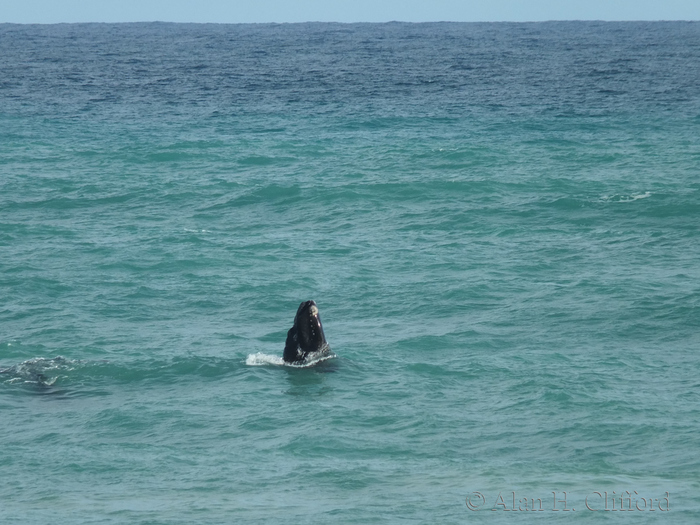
(499, 223)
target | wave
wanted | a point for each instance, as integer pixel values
(83, 377)
(90, 376)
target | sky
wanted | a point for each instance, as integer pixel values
(244, 11)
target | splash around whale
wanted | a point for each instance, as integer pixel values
(305, 345)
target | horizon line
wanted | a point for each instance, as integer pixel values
(360, 22)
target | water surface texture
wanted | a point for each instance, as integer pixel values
(499, 223)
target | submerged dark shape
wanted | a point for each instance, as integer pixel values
(35, 371)
(306, 336)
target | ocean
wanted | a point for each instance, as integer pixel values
(499, 224)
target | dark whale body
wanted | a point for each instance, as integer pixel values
(306, 336)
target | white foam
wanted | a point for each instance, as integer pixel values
(260, 359)
(626, 198)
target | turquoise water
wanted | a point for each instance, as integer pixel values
(499, 223)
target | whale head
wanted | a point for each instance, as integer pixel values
(306, 335)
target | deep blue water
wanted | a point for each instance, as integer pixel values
(499, 223)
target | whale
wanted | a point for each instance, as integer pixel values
(305, 339)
